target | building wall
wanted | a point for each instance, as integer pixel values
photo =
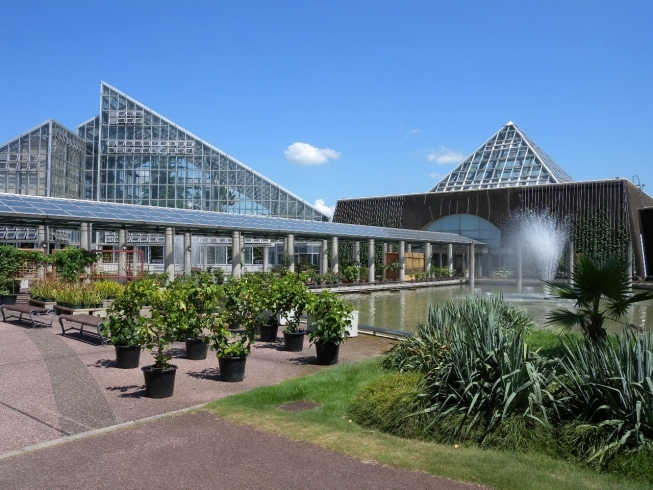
(577, 199)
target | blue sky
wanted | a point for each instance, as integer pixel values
(344, 99)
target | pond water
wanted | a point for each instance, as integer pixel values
(403, 309)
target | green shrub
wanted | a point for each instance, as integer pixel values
(423, 352)
(605, 394)
(388, 404)
(71, 262)
(487, 374)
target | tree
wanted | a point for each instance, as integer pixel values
(600, 288)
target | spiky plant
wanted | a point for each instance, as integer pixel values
(605, 393)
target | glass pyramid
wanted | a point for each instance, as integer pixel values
(507, 159)
(140, 157)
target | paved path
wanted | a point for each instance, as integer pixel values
(53, 386)
(198, 450)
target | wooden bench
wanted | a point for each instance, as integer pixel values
(82, 321)
(33, 311)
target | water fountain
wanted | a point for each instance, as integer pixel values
(544, 236)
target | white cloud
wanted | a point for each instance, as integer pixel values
(323, 208)
(445, 156)
(305, 154)
(435, 175)
(412, 132)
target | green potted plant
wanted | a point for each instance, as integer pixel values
(245, 305)
(121, 326)
(202, 293)
(393, 267)
(290, 299)
(364, 273)
(10, 260)
(108, 290)
(329, 329)
(44, 293)
(156, 331)
(380, 272)
(350, 273)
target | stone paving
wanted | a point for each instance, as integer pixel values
(52, 386)
(62, 398)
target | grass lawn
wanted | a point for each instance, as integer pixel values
(329, 427)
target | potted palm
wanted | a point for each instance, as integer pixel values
(332, 319)
(122, 323)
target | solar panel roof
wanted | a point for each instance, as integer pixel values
(22, 210)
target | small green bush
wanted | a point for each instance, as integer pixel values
(388, 404)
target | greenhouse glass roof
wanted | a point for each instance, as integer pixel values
(507, 159)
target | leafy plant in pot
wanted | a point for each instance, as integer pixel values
(291, 298)
(10, 260)
(202, 296)
(332, 318)
(122, 323)
(156, 332)
(245, 304)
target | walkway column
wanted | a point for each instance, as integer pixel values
(43, 247)
(409, 247)
(291, 251)
(570, 271)
(89, 229)
(428, 253)
(83, 236)
(334, 254)
(170, 253)
(235, 254)
(188, 244)
(370, 261)
(266, 258)
(384, 253)
(472, 268)
(519, 267)
(324, 263)
(241, 256)
(83, 244)
(450, 258)
(402, 261)
(356, 256)
(122, 257)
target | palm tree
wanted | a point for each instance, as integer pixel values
(600, 289)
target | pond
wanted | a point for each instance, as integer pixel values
(403, 309)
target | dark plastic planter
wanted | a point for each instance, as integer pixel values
(9, 299)
(127, 357)
(294, 341)
(327, 354)
(196, 350)
(269, 333)
(232, 369)
(159, 383)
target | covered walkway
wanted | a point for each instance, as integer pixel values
(88, 216)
